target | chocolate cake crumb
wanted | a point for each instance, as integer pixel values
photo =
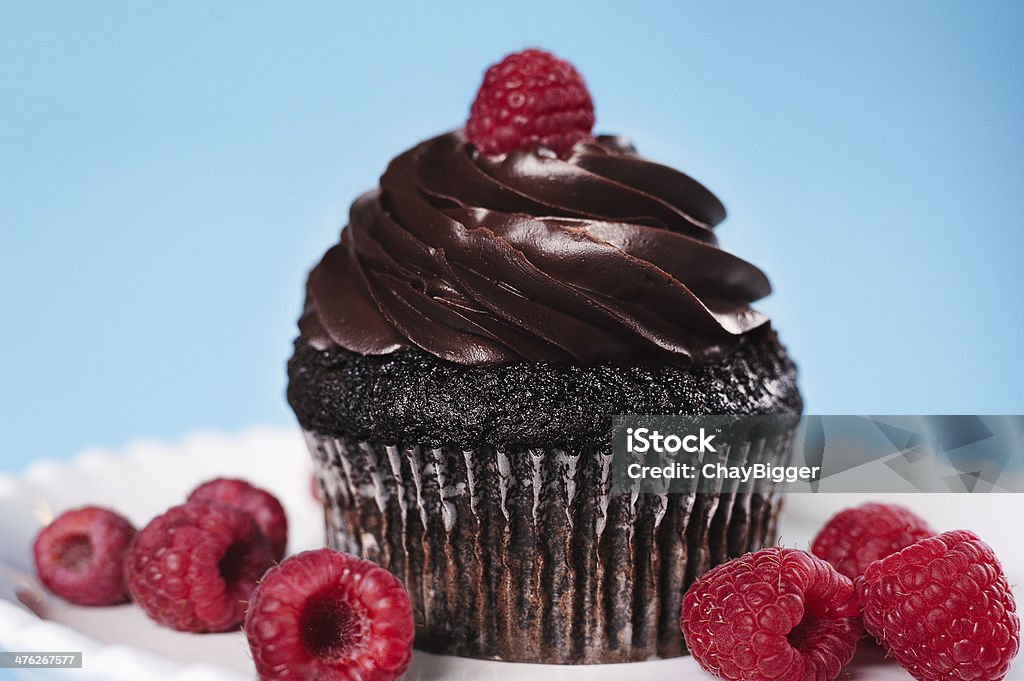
(411, 396)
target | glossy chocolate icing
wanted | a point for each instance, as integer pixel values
(599, 256)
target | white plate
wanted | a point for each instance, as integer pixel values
(147, 477)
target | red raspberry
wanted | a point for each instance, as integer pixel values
(80, 556)
(943, 609)
(327, 615)
(195, 567)
(774, 615)
(262, 505)
(853, 539)
(530, 97)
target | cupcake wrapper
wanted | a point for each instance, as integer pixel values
(526, 555)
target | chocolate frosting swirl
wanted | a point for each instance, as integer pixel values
(600, 256)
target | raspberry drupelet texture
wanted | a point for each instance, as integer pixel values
(195, 567)
(530, 97)
(774, 615)
(853, 539)
(264, 507)
(327, 615)
(943, 609)
(80, 556)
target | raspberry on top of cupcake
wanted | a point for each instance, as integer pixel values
(530, 98)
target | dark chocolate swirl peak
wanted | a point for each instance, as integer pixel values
(595, 256)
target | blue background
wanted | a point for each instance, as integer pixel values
(168, 174)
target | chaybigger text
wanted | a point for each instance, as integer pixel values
(757, 471)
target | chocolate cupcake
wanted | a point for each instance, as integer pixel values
(505, 292)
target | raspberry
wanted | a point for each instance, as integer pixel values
(774, 615)
(264, 507)
(194, 567)
(530, 97)
(80, 556)
(853, 539)
(943, 609)
(327, 615)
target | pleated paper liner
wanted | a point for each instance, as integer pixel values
(526, 555)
